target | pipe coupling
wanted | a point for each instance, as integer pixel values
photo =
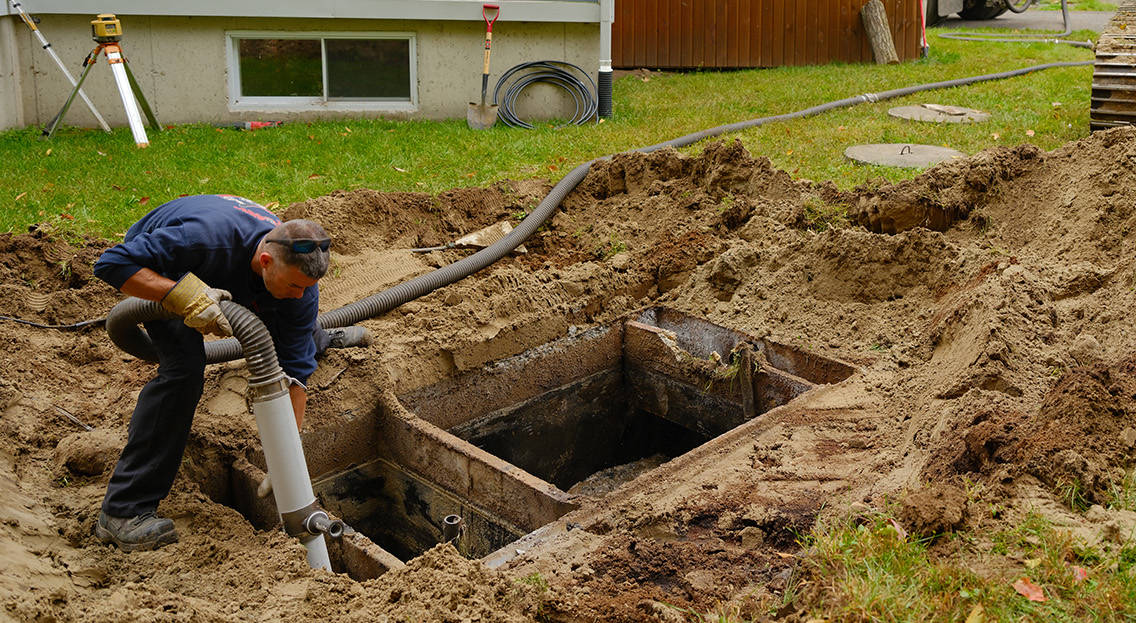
(453, 526)
(311, 520)
(262, 392)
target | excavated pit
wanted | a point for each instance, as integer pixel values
(512, 446)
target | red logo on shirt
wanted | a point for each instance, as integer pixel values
(261, 217)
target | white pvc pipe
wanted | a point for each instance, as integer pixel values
(291, 485)
(607, 16)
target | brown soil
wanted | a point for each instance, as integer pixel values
(986, 303)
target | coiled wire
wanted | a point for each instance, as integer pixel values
(558, 73)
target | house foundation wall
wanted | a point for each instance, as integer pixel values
(11, 105)
(182, 67)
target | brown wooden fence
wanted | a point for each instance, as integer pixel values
(752, 33)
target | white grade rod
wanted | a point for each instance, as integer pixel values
(47, 46)
(114, 58)
(284, 454)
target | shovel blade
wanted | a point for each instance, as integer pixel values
(481, 116)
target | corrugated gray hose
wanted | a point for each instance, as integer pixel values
(229, 349)
(250, 335)
(1024, 38)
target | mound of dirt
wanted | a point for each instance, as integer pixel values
(1079, 443)
(984, 303)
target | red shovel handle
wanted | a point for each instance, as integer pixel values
(485, 8)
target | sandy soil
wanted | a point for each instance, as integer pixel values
(986, 303)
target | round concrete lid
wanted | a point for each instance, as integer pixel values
(901, 155)
(936, 113)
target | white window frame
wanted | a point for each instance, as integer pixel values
(239, 103)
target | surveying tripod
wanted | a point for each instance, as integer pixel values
(107, 31)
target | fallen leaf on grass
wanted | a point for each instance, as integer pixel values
(1080, 574)
(66, 216)
(1029, 132)
(1033, 563)
(995, 136)
(272, 204)
(898, 529)
(144, 200)
(1029, 590)
(470, 175)
(977, 615)
(47, 153)
(20, 196)
(399, 169)
(314, 176)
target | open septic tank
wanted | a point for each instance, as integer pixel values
(508, 446)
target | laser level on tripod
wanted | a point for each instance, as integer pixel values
(106, 30)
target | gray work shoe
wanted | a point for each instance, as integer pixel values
(143, 532)
(346, 337)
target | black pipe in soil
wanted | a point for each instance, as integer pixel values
(228, 349)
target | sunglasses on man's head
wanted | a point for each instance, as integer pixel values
(303, 245)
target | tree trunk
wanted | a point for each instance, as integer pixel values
(879, 33)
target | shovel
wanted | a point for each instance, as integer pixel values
(482, 116)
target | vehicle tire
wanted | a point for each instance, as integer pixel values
(982, 10)
(932, 7)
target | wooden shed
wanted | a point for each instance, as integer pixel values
(690, 34)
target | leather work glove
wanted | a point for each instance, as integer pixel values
(199, 305)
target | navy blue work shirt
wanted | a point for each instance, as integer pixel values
(215, 237)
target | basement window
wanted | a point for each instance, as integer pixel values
(321, 71)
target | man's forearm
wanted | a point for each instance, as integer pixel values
(147, 284)
(299, 398)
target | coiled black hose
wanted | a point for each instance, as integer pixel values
(557, 73)
(228, 349)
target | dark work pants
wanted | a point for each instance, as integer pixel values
(160, 425)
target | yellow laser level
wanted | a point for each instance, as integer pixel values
(106, 28)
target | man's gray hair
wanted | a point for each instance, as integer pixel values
(313, 264)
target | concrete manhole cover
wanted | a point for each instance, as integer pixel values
(901, 155)
(936, 113)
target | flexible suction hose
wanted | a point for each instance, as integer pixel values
(272, 407)
(135, 341)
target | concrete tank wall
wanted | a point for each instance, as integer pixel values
(181, 66)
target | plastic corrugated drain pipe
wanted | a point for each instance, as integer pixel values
(225, 350)
(272, 407)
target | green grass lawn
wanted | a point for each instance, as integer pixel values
(87, 182)
(1075, 5)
